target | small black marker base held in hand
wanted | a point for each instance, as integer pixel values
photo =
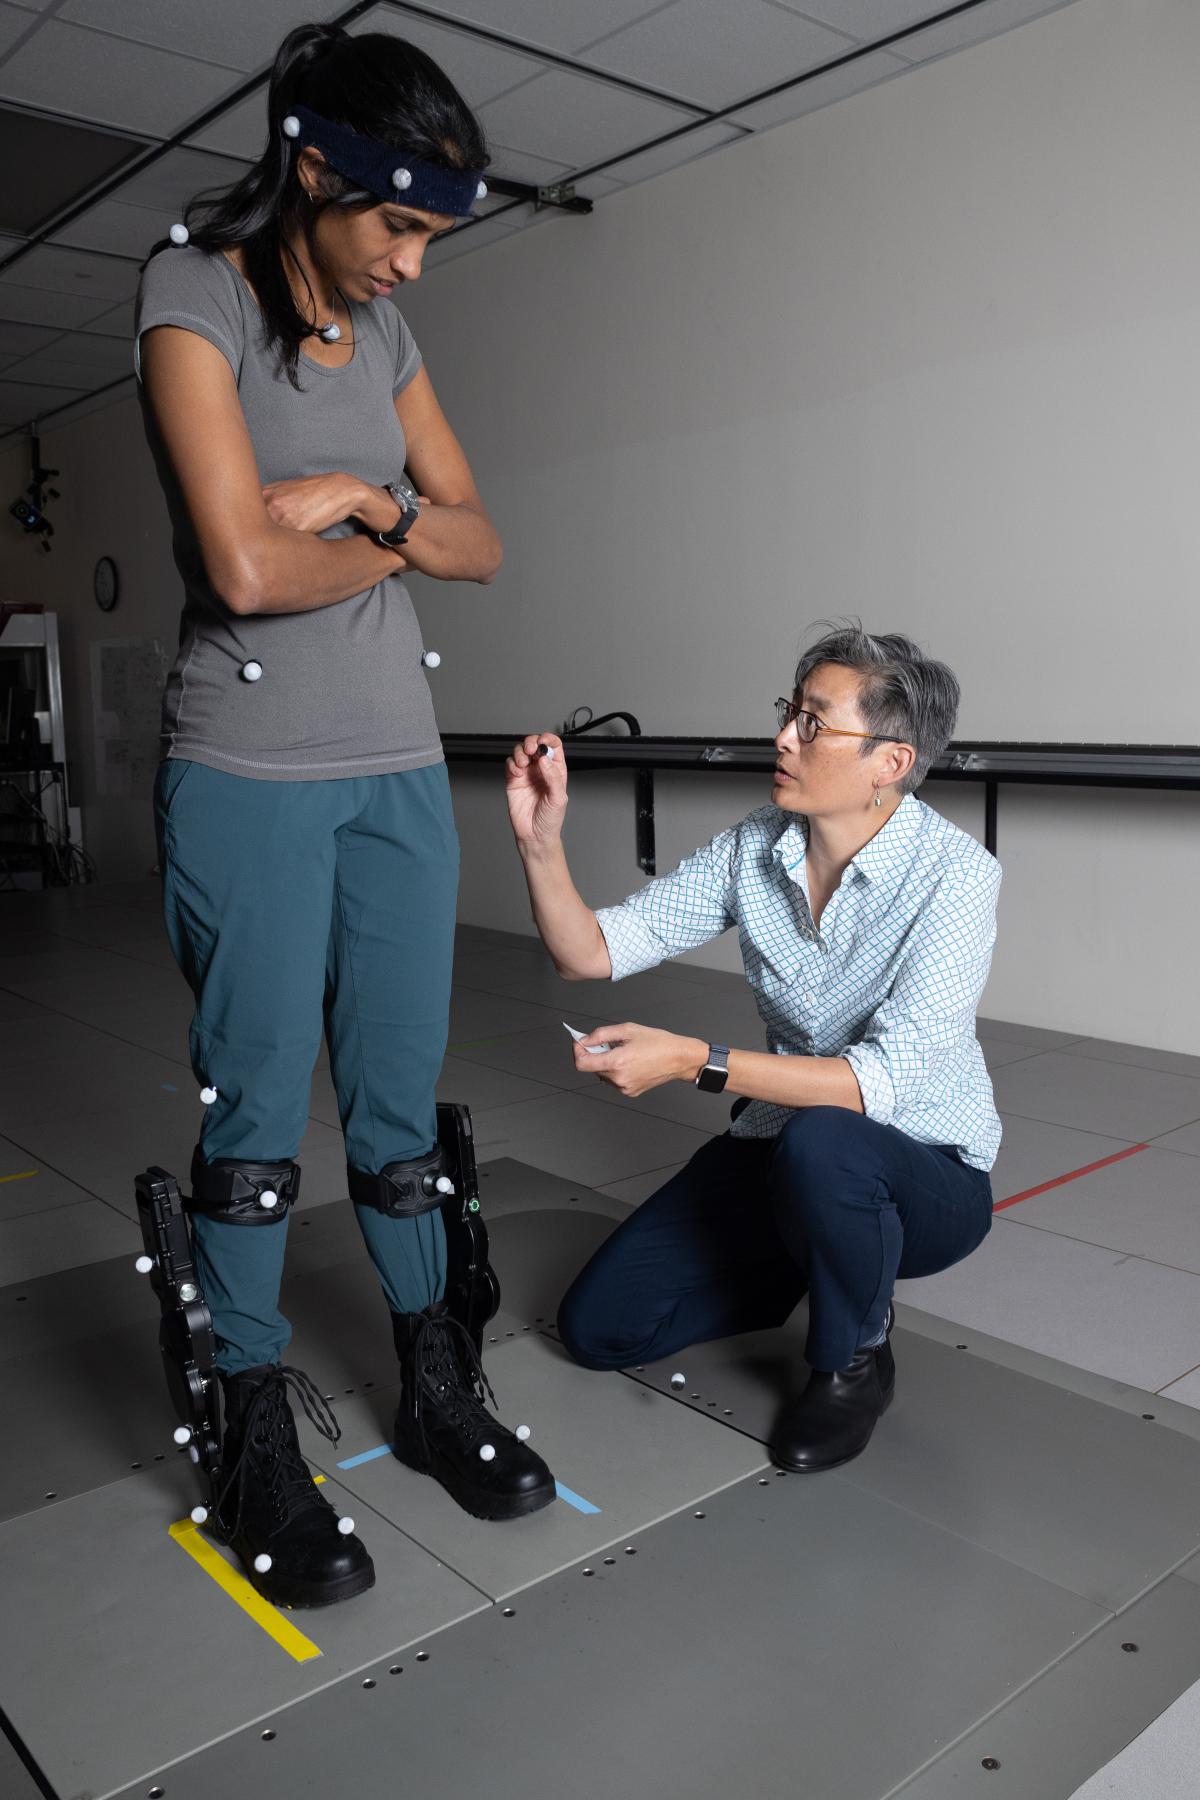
(546, 750)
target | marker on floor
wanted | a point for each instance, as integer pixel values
(575, 1500)
(1073, 1175)
(189, 1537)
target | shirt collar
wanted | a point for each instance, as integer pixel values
(874, 860)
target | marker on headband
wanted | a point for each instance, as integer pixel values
(385, 171)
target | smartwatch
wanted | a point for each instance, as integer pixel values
(715, 1073)
(410, 511)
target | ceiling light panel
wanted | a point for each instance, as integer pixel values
(57, 160)
(231, 32)
(577, 121)
(86, 75)
(713, 54)
(480, 71)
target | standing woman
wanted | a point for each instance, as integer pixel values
(306, 837)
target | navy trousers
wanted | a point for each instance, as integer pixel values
(838, 1207)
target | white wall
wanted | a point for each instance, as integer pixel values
(929, 355)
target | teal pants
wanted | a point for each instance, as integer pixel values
(296, 907)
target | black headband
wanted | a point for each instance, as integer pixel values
(385, 171)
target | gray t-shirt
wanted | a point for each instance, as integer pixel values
(343, 690)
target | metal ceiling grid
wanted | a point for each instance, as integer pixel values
(596, 94)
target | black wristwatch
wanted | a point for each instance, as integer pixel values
(410, 511)
(715, 1073)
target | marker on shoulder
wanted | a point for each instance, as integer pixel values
(592, 1049)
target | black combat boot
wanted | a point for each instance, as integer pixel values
(444, 1429)
(832, 1421)
(296, 1550)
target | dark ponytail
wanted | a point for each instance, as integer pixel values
(376, 84)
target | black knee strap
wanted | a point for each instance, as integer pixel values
(405, 1188)
(240, 1193)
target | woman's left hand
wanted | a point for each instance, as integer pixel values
(641, 1057)
(313, 502)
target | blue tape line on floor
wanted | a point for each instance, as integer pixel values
(170, 1087)
(352, 1462)
(575, 1500)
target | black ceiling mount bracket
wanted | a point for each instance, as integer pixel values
(562, 195)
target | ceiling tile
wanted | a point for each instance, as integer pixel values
(78, 361)
(19, 340)
(12, 24)
(973, 27)
(490, 231)
(75, 72)
(480, 71)
(21, 401)
(230, 32)
(823, 90)
(168, 184)
(38, 306)
(117, 323)
(574, 120)
(711, 53)
(59, 160)
(242, 131)
(120, 229)
(564, 26)
(537, 171)
(866, 20)
(74, 272)
(648, 163)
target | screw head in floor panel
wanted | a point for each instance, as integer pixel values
(268, 1736)
(588, 1571)
(631, 1549)
(396, 1669)
(991, 1762)
(699, 1515)
(368, 1682)
(1149, 1415)
(155, 1793)
(422, 1656)
(510, 1612)
(1129, 1647)
(610, 1562)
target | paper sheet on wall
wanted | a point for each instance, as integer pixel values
(127, 684)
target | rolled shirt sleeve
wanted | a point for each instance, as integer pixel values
(917, 1041)
(690, 906)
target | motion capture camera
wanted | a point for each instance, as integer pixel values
(33, 519)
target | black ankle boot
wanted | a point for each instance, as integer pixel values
(832, 1421)
(296, 1550)
(444, 1429)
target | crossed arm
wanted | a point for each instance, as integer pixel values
(260, 545)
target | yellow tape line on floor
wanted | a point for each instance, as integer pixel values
(188, 1536)
(23, 1176)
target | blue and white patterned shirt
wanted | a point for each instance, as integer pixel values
(891, 980)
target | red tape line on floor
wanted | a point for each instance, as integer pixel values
(1059, 1180)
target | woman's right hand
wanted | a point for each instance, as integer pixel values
(536, 786)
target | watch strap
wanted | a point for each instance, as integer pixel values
(715, 1073)
(410, 512)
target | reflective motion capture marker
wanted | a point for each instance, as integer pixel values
(432, 659)
(179, 234)
(444, 1185)
(345, 1525)
(252, 671)
(487, 1452)
(207, 1095)
(268, 1198)
(291, 126)
(262, 1563)
(330, 333)
(199, 1514)
(144, 1264)
(401, 178)
(523, 1434)
(678, 1381)
(182, 1434)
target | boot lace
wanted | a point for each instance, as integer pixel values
(448, 1377)
(269, 1437)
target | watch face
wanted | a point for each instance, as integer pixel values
(104, 583)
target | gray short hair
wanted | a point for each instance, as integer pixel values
(904, 693)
